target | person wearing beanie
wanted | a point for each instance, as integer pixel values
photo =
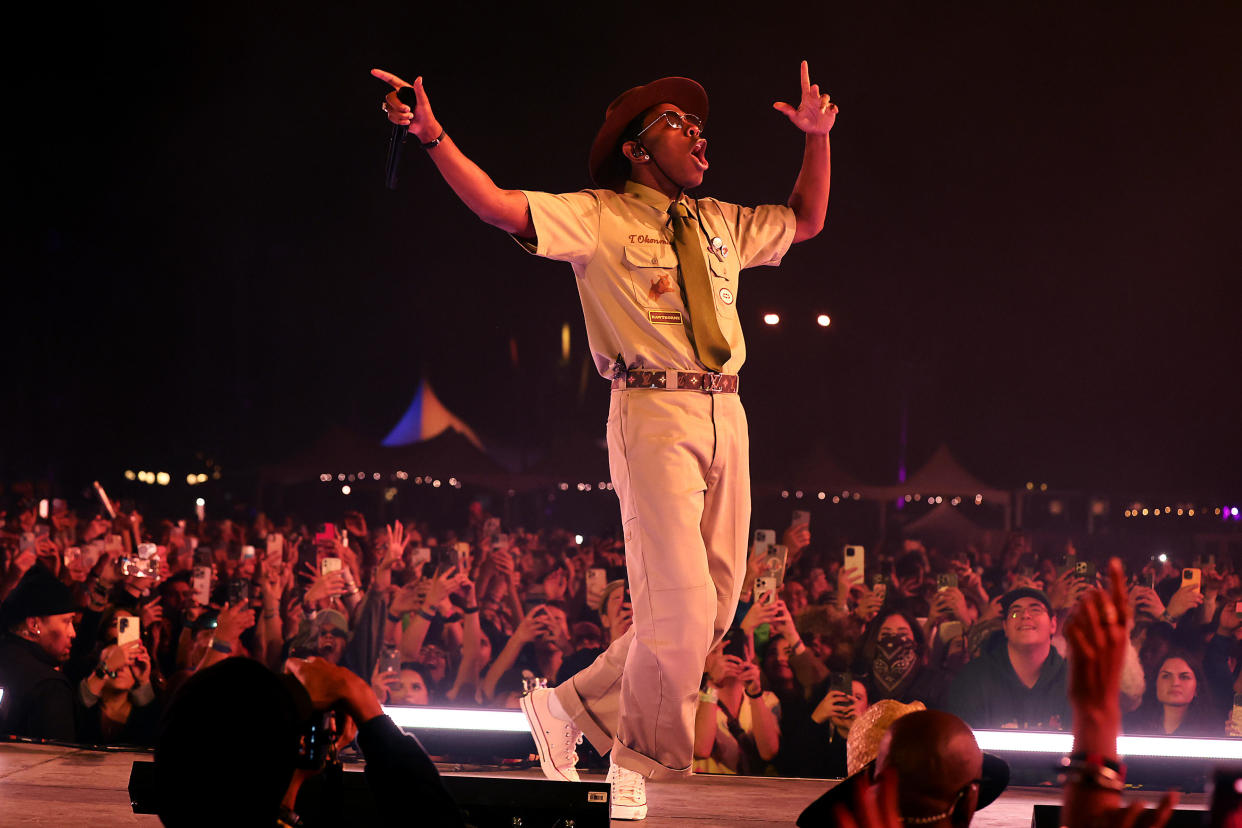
(658, 273)
(36, 634)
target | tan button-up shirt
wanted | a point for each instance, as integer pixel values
(620, 246)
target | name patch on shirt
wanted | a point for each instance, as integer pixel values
(664, 317)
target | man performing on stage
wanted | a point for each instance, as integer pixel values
(658, 275)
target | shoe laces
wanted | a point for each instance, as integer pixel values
(628, 783)
(572, 737)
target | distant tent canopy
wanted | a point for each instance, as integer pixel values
(425, 418)
(942, 474)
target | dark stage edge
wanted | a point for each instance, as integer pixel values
(45, 785)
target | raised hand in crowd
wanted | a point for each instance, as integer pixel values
(1065, 592)
(1183, 601)
(1146, 601)
(325, 586)
(796, 538)
(766, 613)
(869, 603)
(1097, 635)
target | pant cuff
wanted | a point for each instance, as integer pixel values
(581, 717)
(632, 760)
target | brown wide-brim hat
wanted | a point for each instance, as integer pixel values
(608, 167)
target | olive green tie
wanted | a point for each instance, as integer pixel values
(708, 340)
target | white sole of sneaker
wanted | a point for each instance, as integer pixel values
(550, 770)
(628, 812)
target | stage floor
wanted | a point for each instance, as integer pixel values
(45, 785)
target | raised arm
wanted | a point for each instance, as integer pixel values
(506, 209)
(814, 115)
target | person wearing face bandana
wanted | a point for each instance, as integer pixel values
(893, 661)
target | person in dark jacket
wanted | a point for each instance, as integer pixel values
(240, 708)
(893, 661)
(1022, 684)
(36, 634)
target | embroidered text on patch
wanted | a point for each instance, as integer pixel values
(642, 238)
(664, 317)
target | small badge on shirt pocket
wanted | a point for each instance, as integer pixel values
(661, 317)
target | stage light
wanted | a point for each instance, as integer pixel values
(345, 489)
(1163, 558)
(578, 539)
(1014, 741)
(435, 484)
(447, 718)
(163, 478)
(129, 475)
(978, 499)
(822, 495)
(771, 319)
(837, 499)
(823, 320)
(191, 479)
(376, 476)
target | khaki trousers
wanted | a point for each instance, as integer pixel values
(680, 463)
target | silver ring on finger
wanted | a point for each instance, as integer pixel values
(384, 106)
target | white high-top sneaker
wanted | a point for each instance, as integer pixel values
(629, 793)
(554, 738)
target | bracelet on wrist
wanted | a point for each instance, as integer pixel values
(751, 695)
(708, 697)
(395, 619)
(430, 616)
(434, 142)
(1093, 770)
(470, 610)
(221, 646)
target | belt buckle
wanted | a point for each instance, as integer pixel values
(713, 381)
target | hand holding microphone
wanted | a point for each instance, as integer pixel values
(408, 110)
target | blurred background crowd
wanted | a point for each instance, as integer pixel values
(106, 612)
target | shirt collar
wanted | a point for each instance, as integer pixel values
(652, 198)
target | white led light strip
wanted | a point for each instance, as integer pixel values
(1004, 741)
(1170, 746)
(450, 718)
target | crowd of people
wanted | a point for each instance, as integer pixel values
(104, 617)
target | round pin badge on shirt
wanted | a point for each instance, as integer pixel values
(726, 296)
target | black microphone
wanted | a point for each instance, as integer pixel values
(397, 140)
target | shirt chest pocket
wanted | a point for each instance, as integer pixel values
(653, 276)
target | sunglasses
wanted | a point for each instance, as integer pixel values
(676, 120)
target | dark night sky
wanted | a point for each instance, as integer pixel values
(1033, 236)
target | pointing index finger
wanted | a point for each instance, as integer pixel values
(389, 78)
